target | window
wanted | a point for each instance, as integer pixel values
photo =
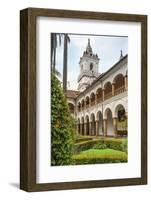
(91, 66)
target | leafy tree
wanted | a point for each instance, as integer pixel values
(62, 126)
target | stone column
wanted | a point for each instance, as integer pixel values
(105, 127)
(125, 81)
(103, 94)
(90, 126)
(84, 104)
(113, 89)
(96, 99)
(94, 128)
(97, 127)
(115, 126)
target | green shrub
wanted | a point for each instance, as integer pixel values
(124, 145)
(93, 156)
(100, 146)
(114, 143)
(84, 145)
(111, 143)
(62, 123)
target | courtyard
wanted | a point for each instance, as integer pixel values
(95, 150)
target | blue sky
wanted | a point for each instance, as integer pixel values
(107, 47)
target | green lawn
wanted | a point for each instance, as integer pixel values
(103, 153)
(98, 156)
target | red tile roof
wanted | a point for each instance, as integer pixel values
(72, 93)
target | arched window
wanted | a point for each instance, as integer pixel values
(81, 67)
(91, 66)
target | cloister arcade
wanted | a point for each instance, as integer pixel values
(103, 111)
(109, 90)
(107, 125)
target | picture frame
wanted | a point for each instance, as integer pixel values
(28, 98)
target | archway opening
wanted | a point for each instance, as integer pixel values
(107, 90)
(71, 108)
(92, 99)
(121, 120)
(87, 101)
(87, 125)
(119, 84)
(79, 106)
(100, 123)
(93, 125)
(110, 127)
(99, 96)
(82, 124)
(82, 105)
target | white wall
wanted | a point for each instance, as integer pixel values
(9, 99)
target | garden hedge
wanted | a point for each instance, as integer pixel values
(86, 158)
(112, 143)
(84, 145)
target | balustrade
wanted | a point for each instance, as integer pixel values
(100, 99)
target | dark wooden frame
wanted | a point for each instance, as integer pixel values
(28, 98)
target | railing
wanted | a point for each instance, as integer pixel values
(119, 90)
(107, 96)
(100, 99)
(87, 106)
(92, 103)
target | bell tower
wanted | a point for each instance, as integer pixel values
(89, 64)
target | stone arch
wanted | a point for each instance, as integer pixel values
(117, 106)
(87, 121)
(121, 117)
(82, 104)
(107, 90)
(119, 84)
(87, 101)
(79, 106)
(109, 122)
(99, 118)
(93, 124)
(92, 99)
(71, 107)
(99, 95)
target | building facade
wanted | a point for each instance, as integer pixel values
(100, 105)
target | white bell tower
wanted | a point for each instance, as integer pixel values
(89, 64)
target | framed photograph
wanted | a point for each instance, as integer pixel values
(83, 90)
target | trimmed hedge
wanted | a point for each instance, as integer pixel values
(116, 144)
(100, 156)
(82, 146)
(111, 143)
